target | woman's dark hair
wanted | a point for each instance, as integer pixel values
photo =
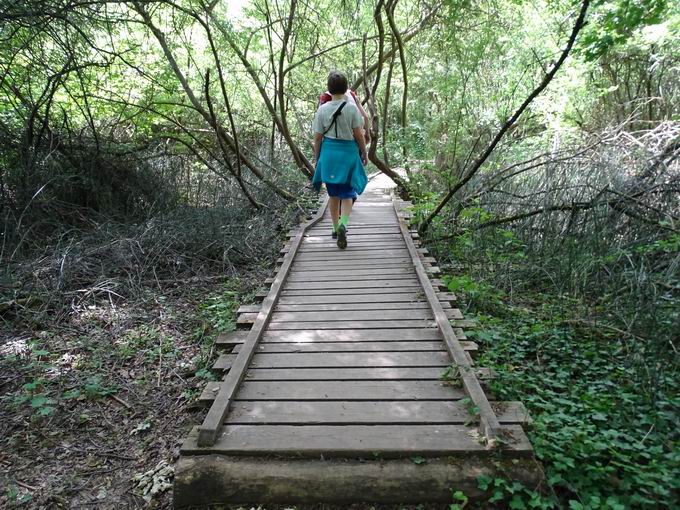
(337, 83)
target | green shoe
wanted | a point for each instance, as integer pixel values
(342, 237)
(334, 234)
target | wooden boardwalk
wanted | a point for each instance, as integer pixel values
(356, 382)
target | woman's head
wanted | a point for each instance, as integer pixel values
(337, 83)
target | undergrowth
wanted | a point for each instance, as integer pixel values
(605, 440)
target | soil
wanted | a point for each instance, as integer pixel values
(94, 408)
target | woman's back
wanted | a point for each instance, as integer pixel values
(348, 119)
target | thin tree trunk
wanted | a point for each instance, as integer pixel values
(510, 122)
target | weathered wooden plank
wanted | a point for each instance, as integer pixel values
(352, 315)
(353, 374)
(422, 345)
(366, 413)
(248, 309)
(350, 283)
(460, 333)
(384, 441)
(375, 291)
(376, 305)
(467, 324)
(225, 361)
(330, 276)
(348, 390)
(357, 255)
(231, 338)
(351, 359)
(359, 243)
(352, 335)
(489, 424)
(356, 233)
(377, 271)
(335, 298)
(213, 421)
(396, 324)
(310, 240)
(311, 265)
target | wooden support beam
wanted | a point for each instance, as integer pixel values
(209, 430)
(489, 424)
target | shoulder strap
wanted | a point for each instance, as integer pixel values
(336, 114)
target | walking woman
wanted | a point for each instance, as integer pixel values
(340, 153)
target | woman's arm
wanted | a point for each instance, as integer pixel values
(367, 129)
(358, 133)
(318, 138)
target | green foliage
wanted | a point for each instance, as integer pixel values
(460, 500)
(612, 23)
(604, 442)
(220, 311)
(95, 389)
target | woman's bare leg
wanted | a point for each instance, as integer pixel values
(346, 209)
(334, 205)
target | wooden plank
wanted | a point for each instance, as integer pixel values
(467, 324)
(350, 283)
(230, 338)
(357, 245)
(415, 323)
(329, 276)
(359, 232)
(311, 265)
(353, 374)
(351, 359)
(383, 441)
(366, 413)
(353, 335)
(375, 291)
(215, 417)
(385, 221)
(376, 305)
(367, 297)
(352, 315)
(416, 345)
(248, 309)
(326, 237)
(489, 425)
(348, 390)
(358, 255)
(225, 361)
(329, 244)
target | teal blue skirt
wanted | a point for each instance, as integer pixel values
(340, 164)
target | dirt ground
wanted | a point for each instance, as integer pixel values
(93, 409)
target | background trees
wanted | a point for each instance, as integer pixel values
(150, 141)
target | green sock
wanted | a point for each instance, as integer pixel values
(344, 220)
(334, 227)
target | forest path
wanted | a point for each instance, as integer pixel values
(338, 393)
